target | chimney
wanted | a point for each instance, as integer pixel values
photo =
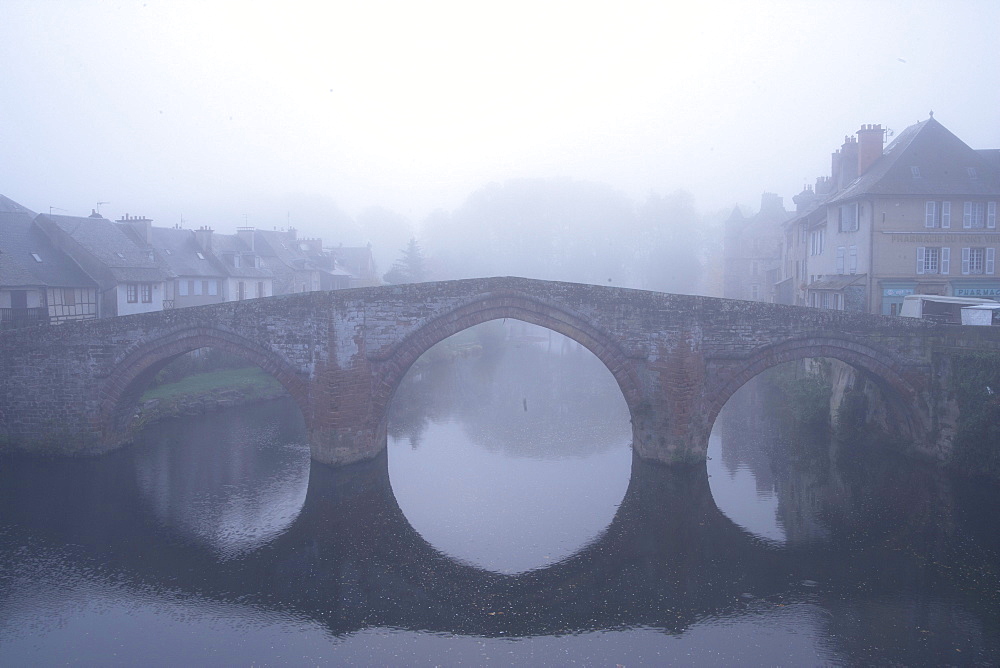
(869, 146)
(246, 235)
(142, 226)
(203, 237)
(805, 200)
(848, 163)
(770, 202)
(823, 184)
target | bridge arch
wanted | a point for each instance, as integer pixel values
(394, 363)
(135, 369)
(902, 395)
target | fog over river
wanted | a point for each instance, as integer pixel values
(507, 523)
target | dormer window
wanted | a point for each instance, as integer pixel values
(200, 256)
(37, 257)
(915, 172)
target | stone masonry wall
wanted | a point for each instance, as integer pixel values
(70, 389)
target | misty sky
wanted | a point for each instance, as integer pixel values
(277, 110)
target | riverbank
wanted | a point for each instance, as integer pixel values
(205, 392)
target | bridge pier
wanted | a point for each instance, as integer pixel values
(339, 446)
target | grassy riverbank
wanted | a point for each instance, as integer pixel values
(203, 392)
(253, 382)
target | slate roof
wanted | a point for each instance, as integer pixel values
(223, 244)
(942, 161)
(110, 245)
(357, 259)
(178, 250)
(19, 238)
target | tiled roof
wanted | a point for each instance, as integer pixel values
(926, 159)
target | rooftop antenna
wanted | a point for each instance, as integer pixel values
(55, 208)
(98, 209)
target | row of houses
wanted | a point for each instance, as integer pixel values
(918, 216)
(57, 268)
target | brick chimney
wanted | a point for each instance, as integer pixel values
(848, 163)
(203, 237)
(869, 146)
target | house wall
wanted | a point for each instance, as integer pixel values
(902, 231)
(35, 297)
(250, 287)
(197, 291)
(125, 307)
(71, 304)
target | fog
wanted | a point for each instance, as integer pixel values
(378, 122)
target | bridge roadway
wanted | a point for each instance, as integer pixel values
(73, 388)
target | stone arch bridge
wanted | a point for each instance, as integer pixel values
(72, 389)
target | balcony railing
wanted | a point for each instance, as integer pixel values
(13, 318)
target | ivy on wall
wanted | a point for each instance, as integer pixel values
(976, 383)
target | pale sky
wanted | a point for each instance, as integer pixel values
(216, 110)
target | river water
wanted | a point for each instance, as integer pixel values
(507, 523)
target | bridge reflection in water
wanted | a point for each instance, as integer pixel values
(898, 567)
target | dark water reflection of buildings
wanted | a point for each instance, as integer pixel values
(888, 562)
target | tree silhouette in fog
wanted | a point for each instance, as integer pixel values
(410, 267)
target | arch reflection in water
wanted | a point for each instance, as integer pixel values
(509, 446)
(230, 481)
(671, 580)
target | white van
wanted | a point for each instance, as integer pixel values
(938, 308)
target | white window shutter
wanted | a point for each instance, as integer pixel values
(930, 214)
(945, 260)
(965, 260)
(946, 214)
(920, 260)
(990, 257)
(991, 215)
(852, 264)
(967, 216)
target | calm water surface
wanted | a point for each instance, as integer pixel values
(507, 523)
